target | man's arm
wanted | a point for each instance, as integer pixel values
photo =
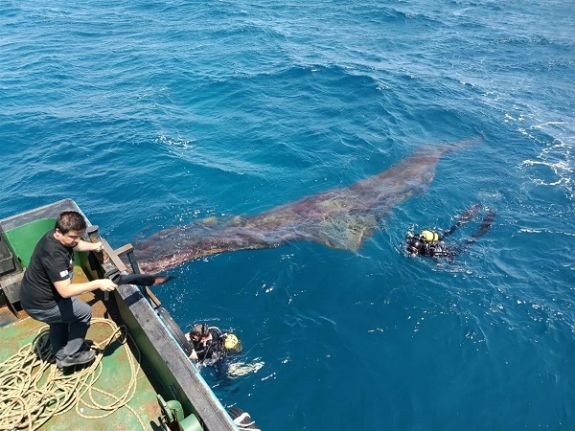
(88, 246)
(67, 289)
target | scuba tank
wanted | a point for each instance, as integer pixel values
(232, 343)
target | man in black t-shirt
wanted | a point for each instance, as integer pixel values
(48, 295)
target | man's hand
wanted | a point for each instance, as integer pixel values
(107, 285)
(98, 246)
(89, 246)
(67, 289)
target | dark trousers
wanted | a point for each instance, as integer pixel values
(69, 322)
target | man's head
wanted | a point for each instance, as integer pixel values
(199, 332)
(70, 227)
(414, 244)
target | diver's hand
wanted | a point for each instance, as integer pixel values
(107, 285)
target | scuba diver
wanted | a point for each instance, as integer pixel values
(242, 419)
(431, 244)
(211, 345)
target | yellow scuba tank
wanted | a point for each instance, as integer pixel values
(232, 343)
(429, 236)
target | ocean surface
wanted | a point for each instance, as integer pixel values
(153, 114)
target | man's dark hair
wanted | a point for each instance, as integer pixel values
(200, 330)
(70, 220)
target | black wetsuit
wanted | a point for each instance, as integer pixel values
(437, 248)
(211, 352)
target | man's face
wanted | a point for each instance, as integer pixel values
(69, 239)
(202, 340)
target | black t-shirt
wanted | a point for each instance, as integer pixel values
(50, 262)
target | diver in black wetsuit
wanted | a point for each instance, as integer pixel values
(211, 345)
(431, 244)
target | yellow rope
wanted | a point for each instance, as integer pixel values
(32, 390)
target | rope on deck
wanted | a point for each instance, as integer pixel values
(32, 390)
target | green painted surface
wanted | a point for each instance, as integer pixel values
(23, 239)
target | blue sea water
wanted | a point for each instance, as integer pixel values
(153, 114)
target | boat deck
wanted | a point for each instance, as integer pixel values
(119, 370)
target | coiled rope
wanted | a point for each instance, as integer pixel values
(32, 390)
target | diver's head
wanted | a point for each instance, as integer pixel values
(414, 245)
(199, 332)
